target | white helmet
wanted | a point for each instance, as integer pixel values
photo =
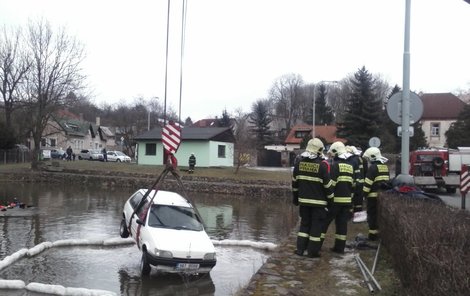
(315, 145)
(353, 150)
(337, 148)
(373, 154)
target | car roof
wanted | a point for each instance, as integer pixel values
(167, 198)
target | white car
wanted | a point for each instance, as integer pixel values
(170, 233)
(92, 154)
(117, 156)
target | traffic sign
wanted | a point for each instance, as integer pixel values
(394, 107)
(374, 142)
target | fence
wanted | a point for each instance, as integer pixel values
(14, 156)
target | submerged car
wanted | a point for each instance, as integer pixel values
(169, 232)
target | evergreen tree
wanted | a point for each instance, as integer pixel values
(188, 121)
(419, 138)
(458, 134)
(364, 112)
(392, 143)
(260, 119)
(323, 112)
(225, 120)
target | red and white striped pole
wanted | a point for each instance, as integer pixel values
(464, 183)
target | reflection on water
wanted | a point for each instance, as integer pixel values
(71, 212)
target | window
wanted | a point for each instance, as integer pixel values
(150, 149)
(301, 134)
(221, 151)
(53, 142)
(435, 128)
(43, 142)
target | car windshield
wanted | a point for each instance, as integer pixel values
(119, 153)
(174, 217)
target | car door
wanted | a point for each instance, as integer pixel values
(111, 156)
(135, 201)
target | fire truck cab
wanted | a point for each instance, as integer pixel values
(438, 167)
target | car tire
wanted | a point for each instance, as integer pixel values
(123, 231)
(144, 264)
(79, 158)
(118, 160)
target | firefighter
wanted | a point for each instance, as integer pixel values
(343, 177)
(311, 188)
(191, 163)
(376, 177)
(358, 164)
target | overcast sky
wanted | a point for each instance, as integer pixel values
(236, 49)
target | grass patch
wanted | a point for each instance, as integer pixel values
(281, 174)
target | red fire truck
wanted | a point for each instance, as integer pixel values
(438, 167)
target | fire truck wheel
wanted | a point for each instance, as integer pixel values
(438, 162)
(451, 189)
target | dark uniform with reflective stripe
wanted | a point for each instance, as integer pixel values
(311, 187)
(343, 177)
(358, 196)
(377, 174)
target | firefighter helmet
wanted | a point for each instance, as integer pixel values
(315, 145)
(373, 154)
(337, 148)
(353, 150)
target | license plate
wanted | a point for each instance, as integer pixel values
(187, 266)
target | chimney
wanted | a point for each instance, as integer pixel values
(98, 121)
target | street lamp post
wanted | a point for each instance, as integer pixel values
(314, 101)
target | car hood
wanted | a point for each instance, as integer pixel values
(182, 243)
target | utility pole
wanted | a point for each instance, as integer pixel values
(405, 135)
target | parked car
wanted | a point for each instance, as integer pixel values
(58, 154)
(118, 156)
(90, 154)
(170, 233)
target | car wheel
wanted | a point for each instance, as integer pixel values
(118, 160)
(79, 158)
(144, 264)
(123, 229)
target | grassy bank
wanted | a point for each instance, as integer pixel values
(281, 174)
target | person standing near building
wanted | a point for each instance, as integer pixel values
(343, 178)
(311, 189)
(105, 154)
(69, 152)
(191, 163)
(377, 174)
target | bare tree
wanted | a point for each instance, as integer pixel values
(289, 98)
(55, 72)
(243, 141)
(14, 64)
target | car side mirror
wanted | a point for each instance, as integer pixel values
(140, 222)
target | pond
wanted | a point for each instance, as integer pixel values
(73, 212)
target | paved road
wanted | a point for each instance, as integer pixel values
(455, 200)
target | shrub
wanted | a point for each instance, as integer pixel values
(429, 243)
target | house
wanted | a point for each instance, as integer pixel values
(212, 147)
(440, 110)
(299, 131)
(66, 129)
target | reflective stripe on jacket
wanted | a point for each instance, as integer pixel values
(377, 174)
(311, 182)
